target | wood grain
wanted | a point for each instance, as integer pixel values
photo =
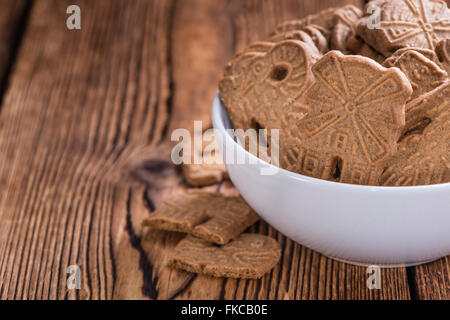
(13, 21)
(81, 108)
(85, 130)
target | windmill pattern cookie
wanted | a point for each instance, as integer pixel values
(249, 256)
(423, 74)
(443, 52)
(264, 93)
(407, 23)
(356, 112)
(212, 217)
(343, 117)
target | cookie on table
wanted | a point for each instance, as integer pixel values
(209, 216)
(423, 74)
(406, 23)
(354, 116)
(443, 52)
(264, 94)
(249, 256)
(211, 170)
(423, 157)
(344, 20)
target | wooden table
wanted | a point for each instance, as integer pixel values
(82, 109)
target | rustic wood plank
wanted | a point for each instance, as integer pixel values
(432, 281)
(82, 106)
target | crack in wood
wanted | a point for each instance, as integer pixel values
(145, 265)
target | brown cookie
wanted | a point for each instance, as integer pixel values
(425, 109)
(406, 23)
(344, 20)
(356, 45)
(265, 93)
(323, 18)
(430, 54)
(443, 52)
(314, 36)
(369, 52)
(212, 217)
(355, 115)
(319, 35)
(211, 170)
(298, 35)
(249, 256)
(423, 74)
(424, 158)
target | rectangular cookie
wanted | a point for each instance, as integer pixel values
(209, 216)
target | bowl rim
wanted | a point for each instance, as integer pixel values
(218, 121)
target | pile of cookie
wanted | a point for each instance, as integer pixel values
(356, 98)
(214, 223)
(215, 244)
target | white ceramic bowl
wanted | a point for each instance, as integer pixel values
(364, 225)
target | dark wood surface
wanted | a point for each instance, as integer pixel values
(83, 109)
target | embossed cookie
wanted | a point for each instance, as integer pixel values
(249, 256)
(428, 107)
(264, 95)
(443, 52)
(357, 46)
(424, 158)
(209, 216)
(211, 169)
(323, 18)
(424, 152)
(423, 74)
(355, 113)
(344, 20)
(313, 35)
(406, 23)
(430, 54)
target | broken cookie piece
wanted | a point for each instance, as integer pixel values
(209, 216)
(211, 169)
